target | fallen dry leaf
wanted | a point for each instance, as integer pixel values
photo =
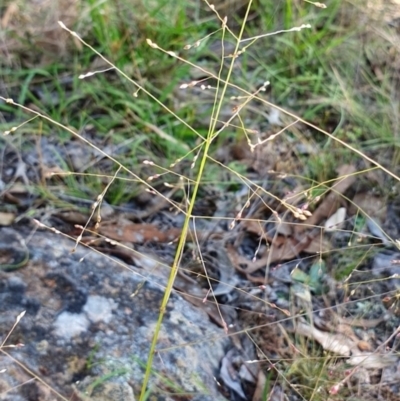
(49, 172)
(73, 217)
(260, 386)
(319, 244)
(295, 240)
(373, 360)
(288, 250)
(229, 374)
(284, 229)
(332, 200)
(18, 188)
(373, 206)
(336, 343)
(126, 231)
(257, 228)
(9, 14)
(336, 220)
(6, 219)
(364, 346)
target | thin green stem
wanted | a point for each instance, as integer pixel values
(182, 239)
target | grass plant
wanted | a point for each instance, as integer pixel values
(298, 58)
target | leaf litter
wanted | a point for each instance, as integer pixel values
(264, 276)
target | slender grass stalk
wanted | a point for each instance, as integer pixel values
(182, 239)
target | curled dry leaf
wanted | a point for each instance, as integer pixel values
(336, 221)
(336, 343)
(373, 360)
(229, 375)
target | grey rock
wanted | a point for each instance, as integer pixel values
(106, 391)
(85, 336)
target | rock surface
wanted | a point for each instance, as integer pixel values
(86, 338)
